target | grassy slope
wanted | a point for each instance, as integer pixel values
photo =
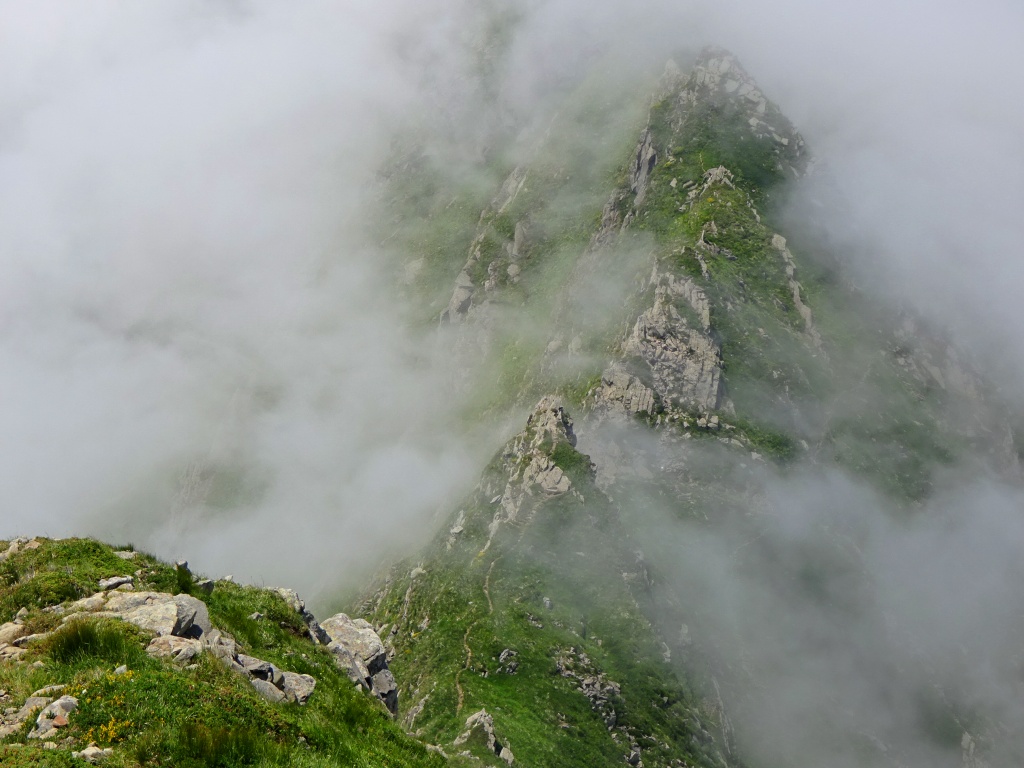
(157, 714)
(453, 622)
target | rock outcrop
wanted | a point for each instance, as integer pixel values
(533, 474)
(183, 631)
(360, 653)
(480, 725)
(673, 337)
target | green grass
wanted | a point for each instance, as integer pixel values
(158, 715)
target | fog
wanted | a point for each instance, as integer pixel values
(201, 351)
(200, 354)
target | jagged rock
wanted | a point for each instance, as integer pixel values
(220, 644)
(93, 603)
(26, 640)
(180, 650)
(623, 392)
(360, 653)
(13, 719)
(358, 636)
(386, 689)
(643, 165)
(685, 361)
(264, 670)
(351, 663)
(481, 724)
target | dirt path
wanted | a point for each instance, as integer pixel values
(465, 639)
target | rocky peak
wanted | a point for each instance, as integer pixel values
(536, 464)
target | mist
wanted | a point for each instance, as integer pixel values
(202, 353)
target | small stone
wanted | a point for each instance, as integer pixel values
(205, 586)
(125, 554)
(121, 670)
(33, 545)
(22, 613)
(255, 616)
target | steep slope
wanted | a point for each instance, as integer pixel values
(528, 607)
(710, 359)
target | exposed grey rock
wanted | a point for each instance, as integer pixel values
(11, 652)
(267, 690)
(481, 725)
(622, 392)
(358, 636)
(360, 653)
(264, 670)
(298, 688)
(684, 358)
(115, 581)
(351, 663)
(180, 650)
(13, 719)
(53, 716)
(533, 475)
(385, 688)
(93, 603)
(193, 615)
(643, 166)
(125, 554)
(26, 640)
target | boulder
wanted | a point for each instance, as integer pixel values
(480, 725)
(268, 690)
(11, 631)
(263, 670)
(194, 612)
(180, 650)
(351, 664)
(298, 688)
(359, 652)
(358, 636)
